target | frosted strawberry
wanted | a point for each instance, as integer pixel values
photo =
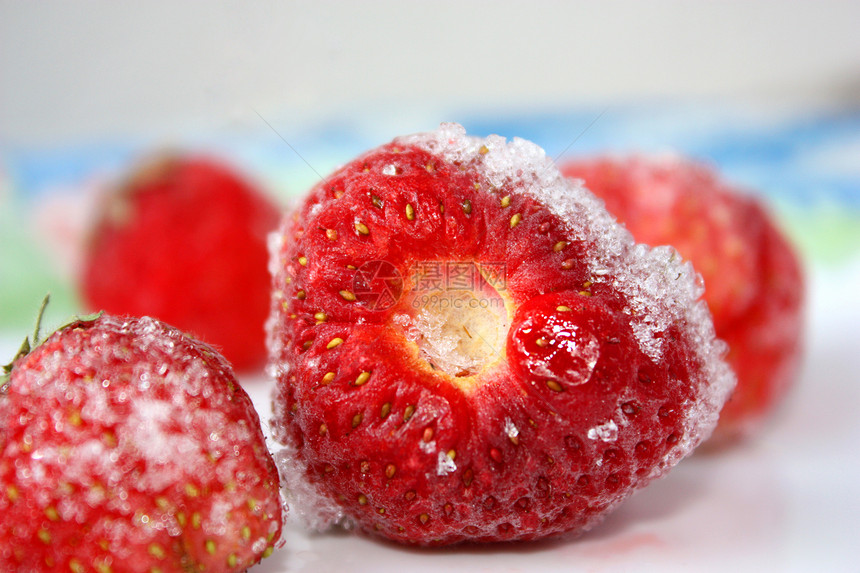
(753, 280)
(530, 367)
(128, 446)
(184, 240)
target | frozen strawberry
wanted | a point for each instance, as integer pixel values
(128, 446)
(469, 348)
(184, 240)
(753, 280)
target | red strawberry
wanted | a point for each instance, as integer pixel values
(534, 369)
(753, 280)
(128, 446)
(184, 240)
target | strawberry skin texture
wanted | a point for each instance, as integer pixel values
(128, 446)
(753, 279)
(184, 240)
(583, 401)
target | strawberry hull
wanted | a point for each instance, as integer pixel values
(534, 368)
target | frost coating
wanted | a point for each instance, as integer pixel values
(445, 464)
(607, 432)
(662, 289)
(511, 429)
(136, 419)
(306, 504)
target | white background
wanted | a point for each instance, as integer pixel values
(93, 69)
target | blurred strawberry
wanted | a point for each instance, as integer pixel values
(184, 240)
(753, 279)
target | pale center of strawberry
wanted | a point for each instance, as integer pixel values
(461, 324)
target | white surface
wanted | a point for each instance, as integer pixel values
(98, 68)
(789, 501)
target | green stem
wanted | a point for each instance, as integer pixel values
(42, 308)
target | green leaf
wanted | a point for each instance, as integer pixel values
(86, 318)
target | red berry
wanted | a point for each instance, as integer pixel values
(534, 368)
(753, 280)
(128, 446)
(184, 240)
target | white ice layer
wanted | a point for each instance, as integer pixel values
(123, 407)
(606, 432)
(306, 504)
(661, 288)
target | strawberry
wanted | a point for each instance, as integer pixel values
(184, 240)
(753, 280)
(129, 446)
(528, 368)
